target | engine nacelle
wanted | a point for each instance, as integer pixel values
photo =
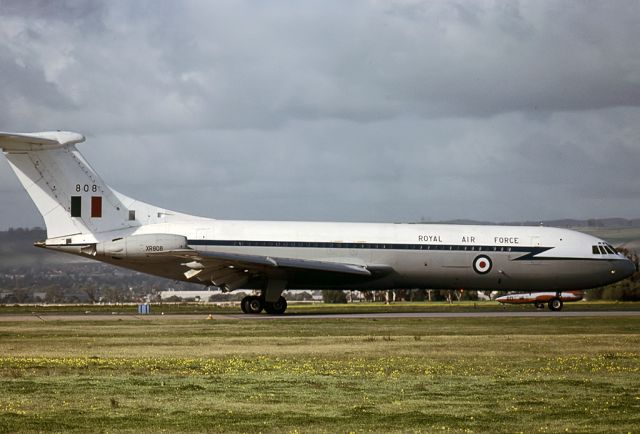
(141, 246)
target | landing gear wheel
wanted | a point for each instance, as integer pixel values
(276, 308)
(254, 305)
(243, 304)
(555, 304)
(539, 305)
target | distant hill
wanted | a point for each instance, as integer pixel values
(591, 223)
(617, 231)
(559, 223)
(29, 274)
(628, 238)
(17, 249)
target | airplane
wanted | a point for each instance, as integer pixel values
(84, 216)
(553, 299)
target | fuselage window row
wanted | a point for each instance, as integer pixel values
(603, 249)
(328, 245)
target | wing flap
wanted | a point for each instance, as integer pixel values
(239, 257)
(336, 267)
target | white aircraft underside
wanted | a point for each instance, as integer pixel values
(86, 217)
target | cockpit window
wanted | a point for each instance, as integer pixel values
(604, 249)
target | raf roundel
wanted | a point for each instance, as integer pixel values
(482, 264)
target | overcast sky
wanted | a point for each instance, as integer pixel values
(335, 110)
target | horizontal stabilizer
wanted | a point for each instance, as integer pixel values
(38, 141)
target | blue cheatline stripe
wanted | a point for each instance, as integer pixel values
(530, 251)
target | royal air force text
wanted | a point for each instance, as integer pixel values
(469, 239)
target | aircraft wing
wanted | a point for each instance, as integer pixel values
(232, 270)
(309, 264)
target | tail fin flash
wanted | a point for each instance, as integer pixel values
(69, 194)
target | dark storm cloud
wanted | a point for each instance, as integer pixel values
(389, 110)
(429, 59)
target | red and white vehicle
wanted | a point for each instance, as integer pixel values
(554, 299)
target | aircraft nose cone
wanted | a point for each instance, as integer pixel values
(623, 269)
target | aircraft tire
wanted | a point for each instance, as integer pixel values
(539, 305)
(277, 308)
(243, 304)
(254, 304)
(555, 304)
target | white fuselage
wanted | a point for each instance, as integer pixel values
(419, 255)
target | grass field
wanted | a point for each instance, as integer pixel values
(303, 375)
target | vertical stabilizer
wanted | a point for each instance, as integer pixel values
(69, 194)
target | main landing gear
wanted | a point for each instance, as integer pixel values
(253, 304)
(270, 299)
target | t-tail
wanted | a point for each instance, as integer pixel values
(74, 201)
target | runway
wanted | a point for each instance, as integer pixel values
(311, 317)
